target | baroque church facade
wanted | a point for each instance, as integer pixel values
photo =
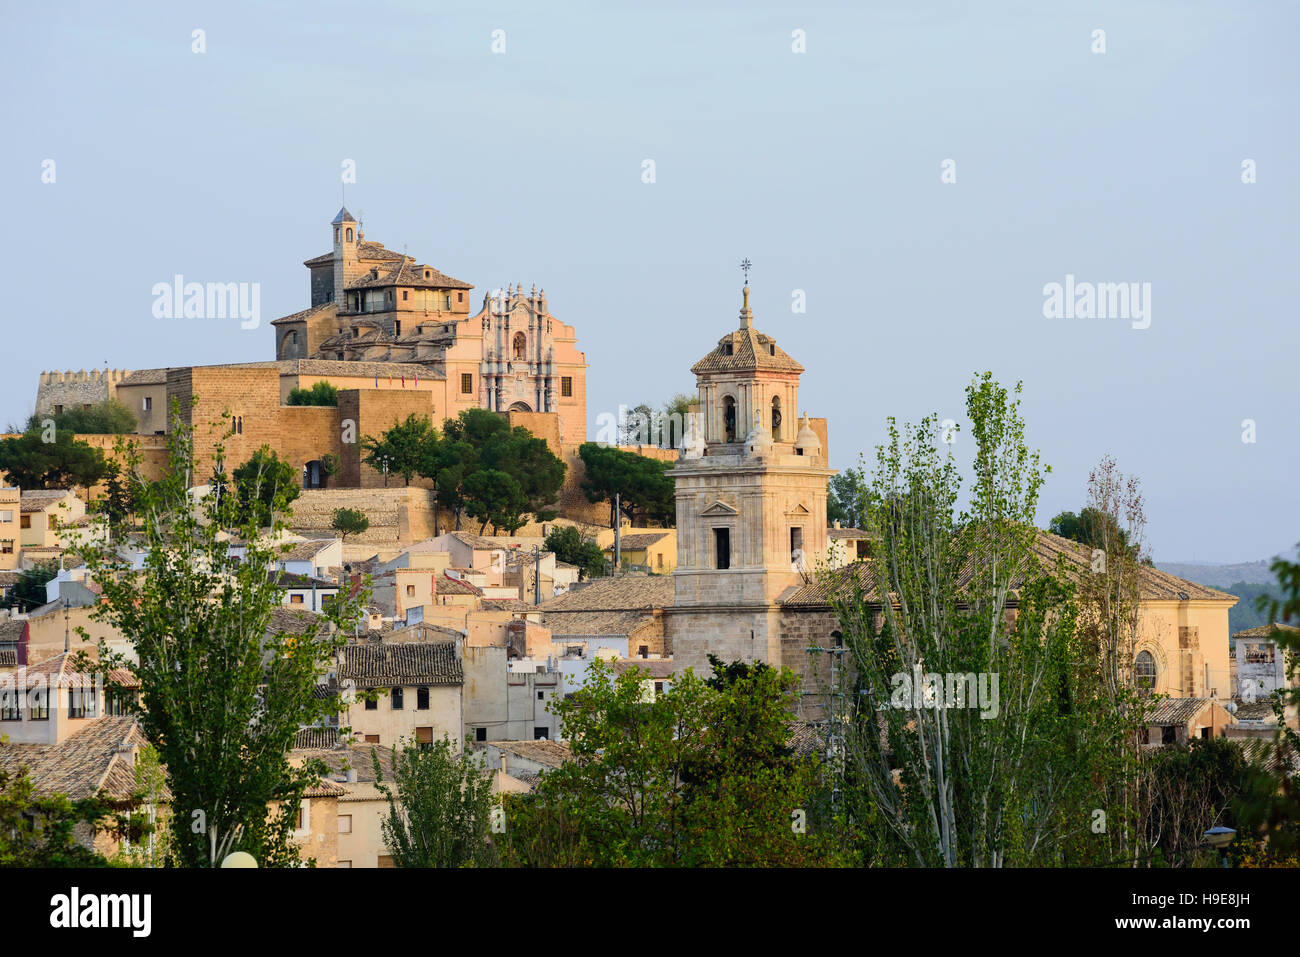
(372, 304)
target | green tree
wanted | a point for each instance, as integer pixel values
(846, 498)
(571, 546)
(956, 775)
(403, 449)
(439, 806)
(110, 417)
(50, 458)
(349, 521)
(29, 591)
(644, 485)
(1270, 806)
(40, 830)
(320, 393)
(223, 691)
(696, 776)
(264, 486)
(492, 472)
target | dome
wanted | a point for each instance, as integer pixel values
(807, 443)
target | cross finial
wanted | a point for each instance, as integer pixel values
(744, 267)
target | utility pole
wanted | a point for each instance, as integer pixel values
(618, 533)
(537, 575)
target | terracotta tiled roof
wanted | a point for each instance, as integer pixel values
(325, 788)
(446, 585)
(1153, 584)
(638, 541)
(302, 551)
(654, 667)
(405, 272)
(1271, 755)
(550, 753)
(1254, 711)
(320, 739)
(1265, 631)
(367, 251)
(850, 534)
(98, 756)
(1171, 711)
(619, 593)
(287, 581)
(747, 350)
(304, 314)
(597, 624)
(355, 368)
(393, 665)
(37, 500)
(145, 377)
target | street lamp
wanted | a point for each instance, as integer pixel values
(1219, 838)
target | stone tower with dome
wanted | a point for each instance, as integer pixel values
(751, 502)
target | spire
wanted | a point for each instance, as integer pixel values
(746, 315)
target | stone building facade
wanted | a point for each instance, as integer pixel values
(751, 503)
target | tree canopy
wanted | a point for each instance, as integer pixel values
(320, 393)
(644, 485)
(571, 546)
(50, 457)
(264, 485)
(110, 417)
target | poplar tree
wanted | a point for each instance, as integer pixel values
(223, 688)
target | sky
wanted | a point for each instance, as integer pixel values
(519, 156)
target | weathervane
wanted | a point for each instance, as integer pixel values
(744, 267)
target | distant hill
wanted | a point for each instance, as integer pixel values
(1246, 580)
(1221, 576)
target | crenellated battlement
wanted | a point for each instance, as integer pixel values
(84, 376)
(72, 389)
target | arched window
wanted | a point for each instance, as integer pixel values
(729, 418)
(349, 234)
(521, 343)
(1145, 671)
(776, 418)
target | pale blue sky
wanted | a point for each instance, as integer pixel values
(822, 168)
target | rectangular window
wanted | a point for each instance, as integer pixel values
(26, 522)
(422, 699)
(385, 860)
(6, 546)
(53, 523)
(345, 823)
(460, 297)
(467, 383)
(566, 385)
(424, 737)
(541, 734)
(372, 739)
(722, 547)
(410, 589)
(397, 327)
(448, 301)
(480, 734)
(372, 705)
(10, 706)
(148, 400)
(38, 705)
(58, 410)
(397, 699)
(295, 599)
(7, 515)
(406, 295)
(347, 864)
(643, 651)
(81, 703)
(796, 539)
(115, 702)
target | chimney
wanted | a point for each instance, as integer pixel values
(352, 775)
(503, 763)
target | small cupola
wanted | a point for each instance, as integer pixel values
(807, 443)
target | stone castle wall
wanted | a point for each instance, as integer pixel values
(398, 516)
(75, 389)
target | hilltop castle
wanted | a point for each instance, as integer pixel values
(394, 337)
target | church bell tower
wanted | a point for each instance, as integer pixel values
(751, 501)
